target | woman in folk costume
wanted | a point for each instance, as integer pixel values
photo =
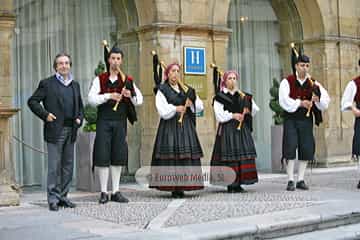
(177, 150)
(234, 146)
(352, 95)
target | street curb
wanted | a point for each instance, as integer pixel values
(325, 222)
(267, 226)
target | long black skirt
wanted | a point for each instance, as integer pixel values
(234, 148)
(176, 156)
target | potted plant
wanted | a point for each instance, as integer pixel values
(277, 128)
(85, 178)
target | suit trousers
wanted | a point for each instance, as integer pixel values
(60, 166)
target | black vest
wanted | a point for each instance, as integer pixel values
(106, 111)
(179, 98)
(236, 104)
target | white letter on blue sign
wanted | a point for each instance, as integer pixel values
(195, 58)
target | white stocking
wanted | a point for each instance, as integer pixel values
(290, 169)
(115, 177)
(103, 173)
(302, 168)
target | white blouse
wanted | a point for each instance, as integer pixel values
(222, 115)
(167, 110)
(348, 96)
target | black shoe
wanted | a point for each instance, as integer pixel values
(358, 186)
(104, 198)
(235, 189)
(66, 203)
(177, 194)
(290, 186)
(53, 207)
(117, 197)
(240, 189)
(302, 185)
(231, 189)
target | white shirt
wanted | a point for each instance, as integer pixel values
(291, 105)
(222, 115)
(62, 79)
(95, 98)
(348, 96)
(167, 110)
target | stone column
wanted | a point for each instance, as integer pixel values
(8, 190)
(332, 39)
(168, 42)
(330, 36)
(166, 27)
(7, 22)
(9, 194)
(336, 64)
(333, 64)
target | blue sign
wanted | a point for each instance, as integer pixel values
(194, 60)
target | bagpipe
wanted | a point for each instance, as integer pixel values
(128, 84)
(217, 76)
(315, 89)
(158, 68)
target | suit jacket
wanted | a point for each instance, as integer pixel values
(49, 94)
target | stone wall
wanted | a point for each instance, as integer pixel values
(328, 29)
(8, 193)
(166, 27)
(325, 28)
(7, 22)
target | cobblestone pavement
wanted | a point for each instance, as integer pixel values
(215, 203)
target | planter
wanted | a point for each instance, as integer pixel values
(86, 180)
(276, 148)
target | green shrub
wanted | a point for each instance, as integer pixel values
(90, 112)
(274, 103)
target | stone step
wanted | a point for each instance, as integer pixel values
(287, 223)
(323, 226)
(342, 232)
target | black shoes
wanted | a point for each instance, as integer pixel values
(231, 189)
(66, 203)
(241, 190)
(235, 189)
(104, 198)
(301, 185)
(177, 194)
(117, 197)
(290, 186)
(53, 207)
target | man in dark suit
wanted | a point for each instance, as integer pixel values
(62, 113)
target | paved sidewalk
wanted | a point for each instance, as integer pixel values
(265, 211)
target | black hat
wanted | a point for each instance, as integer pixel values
(303, 58)
(297, 57)
(116, 50)
(107, 53)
